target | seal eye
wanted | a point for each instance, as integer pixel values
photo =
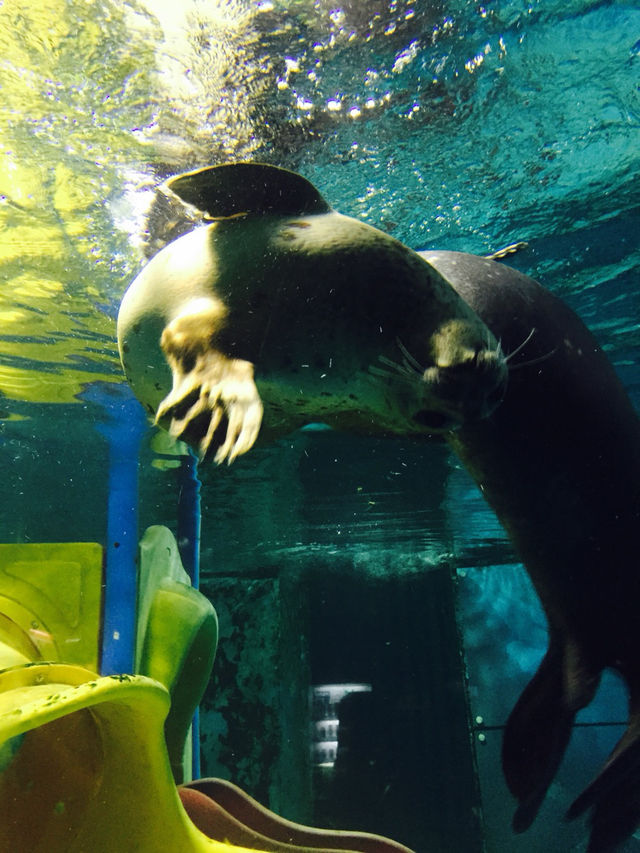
(434, 420)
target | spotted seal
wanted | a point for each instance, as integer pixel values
(276, 311)
(559, 462)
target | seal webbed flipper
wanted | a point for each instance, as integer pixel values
(215, 391)
(539, 728)
(535, 739)
(236, 189)
(209, 388)
(614, 795)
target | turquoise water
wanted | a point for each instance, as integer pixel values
(449, 125)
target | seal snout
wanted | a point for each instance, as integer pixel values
(468, 389)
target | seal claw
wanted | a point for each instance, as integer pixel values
(244, 420)
(216, 388)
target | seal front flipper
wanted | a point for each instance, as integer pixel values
(539, 727)
(209, 388)
(614, 795)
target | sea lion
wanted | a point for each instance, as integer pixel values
(559, 462)
(280, 304)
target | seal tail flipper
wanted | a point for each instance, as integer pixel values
(539, 728)
(237, 189)
(614, 795)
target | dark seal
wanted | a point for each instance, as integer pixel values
(559, 462)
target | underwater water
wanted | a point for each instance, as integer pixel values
(330, 559)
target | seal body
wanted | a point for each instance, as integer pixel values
(280, 311)
(559, 462)
(283, 306)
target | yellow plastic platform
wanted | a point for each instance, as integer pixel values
(85, 768)
(83, 761)
(50, 599)
(177, 638)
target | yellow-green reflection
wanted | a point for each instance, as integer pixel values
(73, 88)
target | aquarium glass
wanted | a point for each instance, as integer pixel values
(376, 626)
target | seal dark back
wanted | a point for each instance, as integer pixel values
(559, 462)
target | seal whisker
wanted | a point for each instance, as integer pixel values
(498, 351)
(533, 360)
(400, 372)
(530, 361)
(523, 344)
(409, 360)
(402, 369)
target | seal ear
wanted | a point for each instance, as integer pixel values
(237, 189)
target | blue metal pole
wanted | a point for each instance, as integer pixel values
(124, 425)
(189, 522)
(189, 518)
